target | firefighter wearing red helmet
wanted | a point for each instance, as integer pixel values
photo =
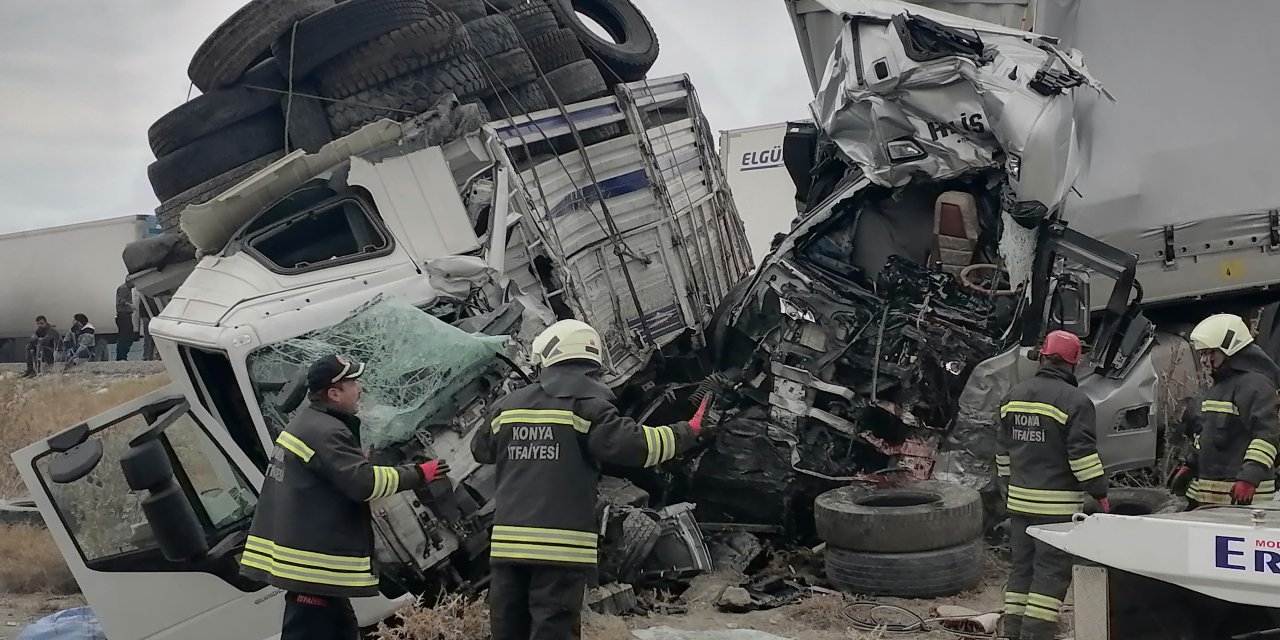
(1047, 460)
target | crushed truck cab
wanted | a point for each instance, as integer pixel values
(433, 250)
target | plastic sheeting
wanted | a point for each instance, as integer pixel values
(72, 624)
(415, 363)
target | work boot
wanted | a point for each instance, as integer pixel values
(1033, 629)
(1010, 627)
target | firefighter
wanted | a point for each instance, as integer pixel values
(312, 534)
(1048, 457)
(548, 440)
(1236, 429)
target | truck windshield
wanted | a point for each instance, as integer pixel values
(105, 517)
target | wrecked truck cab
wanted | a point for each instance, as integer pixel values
(880, 334)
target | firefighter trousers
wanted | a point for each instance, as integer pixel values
(536, 602)
(1037, 584)
(309, 617)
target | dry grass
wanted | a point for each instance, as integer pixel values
(34, 409)
(821, 612)
(30, 562)
(454, 617)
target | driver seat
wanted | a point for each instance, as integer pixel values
(955, 231)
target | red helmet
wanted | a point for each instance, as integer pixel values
(1063, 344)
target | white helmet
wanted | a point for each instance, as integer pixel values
(1222, 331)
(566, 340)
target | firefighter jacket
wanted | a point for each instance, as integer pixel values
(1237, 429)
(312, 532)
(1047, 446)
(548, 440)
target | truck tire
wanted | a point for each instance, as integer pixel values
(169, 212)
(634, 47)
(306, 123)
(923, 574)
(640, 534)
(1127, 501)
(407, 95)
(526, 98)
(392, 55)
(919, 517)
(323, 36)
(556, 49)
(533, 19)
(232, 48)
(217, 109)
(574, 83)
(492, 35)
(217, 153)
(502, 5)
(507, 70)
(466, 10)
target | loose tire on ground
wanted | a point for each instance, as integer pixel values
(533, 19)
(306, 123)
(634, 48)
(493, 35)
(923, 574)
(168, 214)
(392, 55)
(919, 517)
(556, 49)
(520, 100)
(640, 534)
(1138, 502)
(323, 36)
(219, 108)
(507, 70)
(232, 48)
(408, 95)
(574, 83)
(217, 153)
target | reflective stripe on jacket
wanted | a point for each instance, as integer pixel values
(548, 440)
(1047, 447)
(1238, 429)
(312, 532)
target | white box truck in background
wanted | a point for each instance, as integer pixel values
(762, 189)
(58, 272)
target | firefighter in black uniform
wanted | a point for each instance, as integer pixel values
(548, 440)
(1047, 454)
(1234, 452)
(312, 534)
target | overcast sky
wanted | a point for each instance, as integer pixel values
(81, 80)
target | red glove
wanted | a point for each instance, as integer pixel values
(1242, 493)
(1181, 480)
(1105, 504)
(434, 469)
(696, 421)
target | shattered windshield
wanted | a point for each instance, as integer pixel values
(414, 361)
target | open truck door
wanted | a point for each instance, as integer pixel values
(150, 505)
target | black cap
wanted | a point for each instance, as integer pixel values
(331, 370)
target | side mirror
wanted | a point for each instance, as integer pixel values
(1069, 303)
(173, 520)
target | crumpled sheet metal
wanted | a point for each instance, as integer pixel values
(414, 361)
(962, 114)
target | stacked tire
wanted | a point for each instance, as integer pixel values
(280, 75)
(918, 541)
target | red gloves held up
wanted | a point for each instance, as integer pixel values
(696, 420)
(434, 469)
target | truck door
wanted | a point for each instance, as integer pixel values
(104, 534)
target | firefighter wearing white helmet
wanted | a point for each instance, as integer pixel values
(1234, 424)
(548, 441)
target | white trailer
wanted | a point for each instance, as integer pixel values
(762, 189)
(58, 272)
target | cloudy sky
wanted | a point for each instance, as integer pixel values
(81, 80)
